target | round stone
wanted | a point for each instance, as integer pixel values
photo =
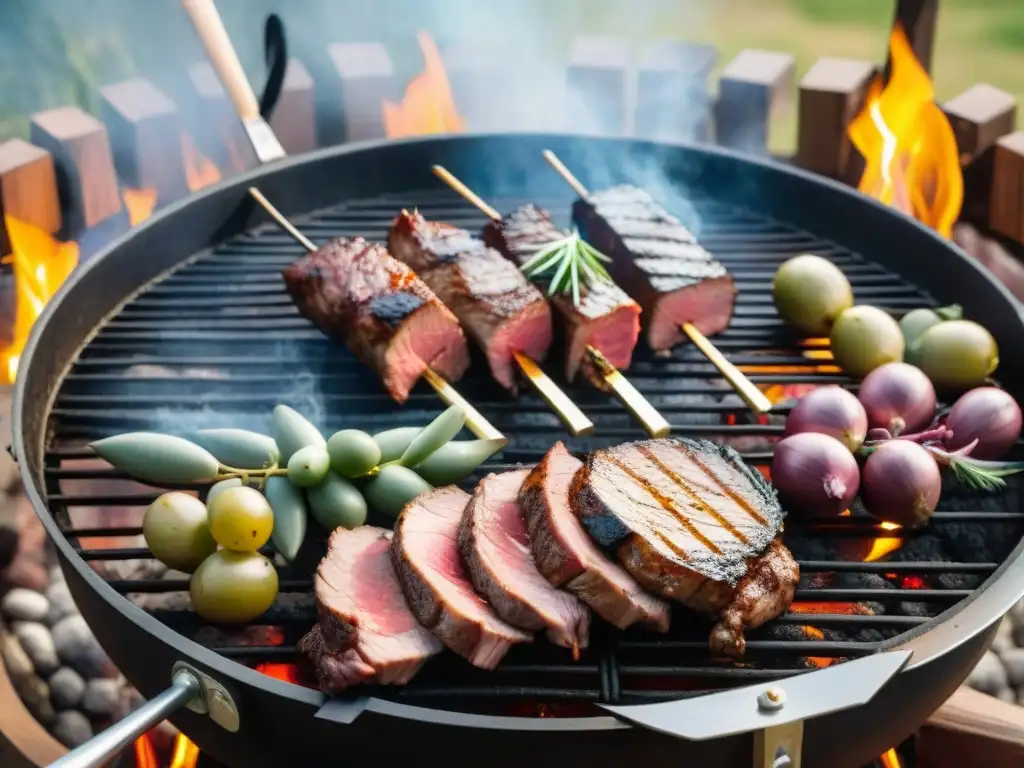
(1003, 641)
(24, 605)
(38, 644)
(78, 648)
(35, 695)
(101, 697)
(71, 728)
(66, 688)
(19, 665)
(59, 597)
(1013, 661)
(989, 676)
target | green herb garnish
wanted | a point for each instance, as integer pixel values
(567, 260)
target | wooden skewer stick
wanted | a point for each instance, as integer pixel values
(570, 414)
(751, 395)
(222, 55)
(475, 421)
(636, 403)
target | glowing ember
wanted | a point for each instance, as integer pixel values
(884, 545)
(40, 266)
(890, 760)
(909, 150)
(139, 203)
(289, 673)
(199, 170)
(831, 609)
(428, 105)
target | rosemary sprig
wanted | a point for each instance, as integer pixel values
(566, 260)
(976, 474)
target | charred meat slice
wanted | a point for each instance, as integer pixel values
(693, 523)
(499, 308)
(355, 291)
(659, 263)
(568, 557)
(426, 557)
(365, 632)
(606, 317)
(496, 550)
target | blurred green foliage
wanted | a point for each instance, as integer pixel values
(55, 52)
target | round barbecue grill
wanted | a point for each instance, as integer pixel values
(185, 323)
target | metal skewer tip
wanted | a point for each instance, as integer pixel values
(476, 422)
(751, 395)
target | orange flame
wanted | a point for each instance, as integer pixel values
(145, 753)
(139, 203)
(186, 753)
(40, 264)
(910, 153)
(289, 673)
(428, 105)
(199, 170)
(891, 760)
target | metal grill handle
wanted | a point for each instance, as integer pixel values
(185, 688)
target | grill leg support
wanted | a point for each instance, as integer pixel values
(779, 747)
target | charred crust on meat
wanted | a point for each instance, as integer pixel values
(393, 308)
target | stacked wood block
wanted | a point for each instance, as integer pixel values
(28, 185)
(831, 95)
(294, 115)
(672, 99)
(145, 133)
(85, 169)
(597, 82)
(753, 87)
(215, 125)
(359, 79)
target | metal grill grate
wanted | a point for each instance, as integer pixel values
(218, 343)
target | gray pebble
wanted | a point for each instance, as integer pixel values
(24, 605)
(61, 604)
(78, 648)
(1003, 641)
(1018, 633)
(1008, 695)
(35, 695)
(1013, 661)
(72, 728)
(19, 665)
(988, 676)
(38, 644)
(101, 697)
(66, 688)
(1016, 613)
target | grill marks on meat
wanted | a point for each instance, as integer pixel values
(568, 557)
(355, 291)
(693, 523)
(499, 308)
(659, 263)
(495, 547)
(365, 632)
(606, 317)
(437, 589)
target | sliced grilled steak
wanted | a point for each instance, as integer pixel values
(659, 263)
(365, 632)
(496, 550)
(499, 308)
(692, 523)
(355, 291)
(425, 553)
(568, 557)
(606, 317)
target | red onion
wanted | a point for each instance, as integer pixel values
(901, 483)
(986, 414)
(815, 475)
(830, 411)
(898, 397)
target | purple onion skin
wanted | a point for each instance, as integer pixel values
(898, 397)
(901, 483)
(815, 475)
(830, 411)
(988, 414)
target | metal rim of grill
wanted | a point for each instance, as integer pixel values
(216, 309)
